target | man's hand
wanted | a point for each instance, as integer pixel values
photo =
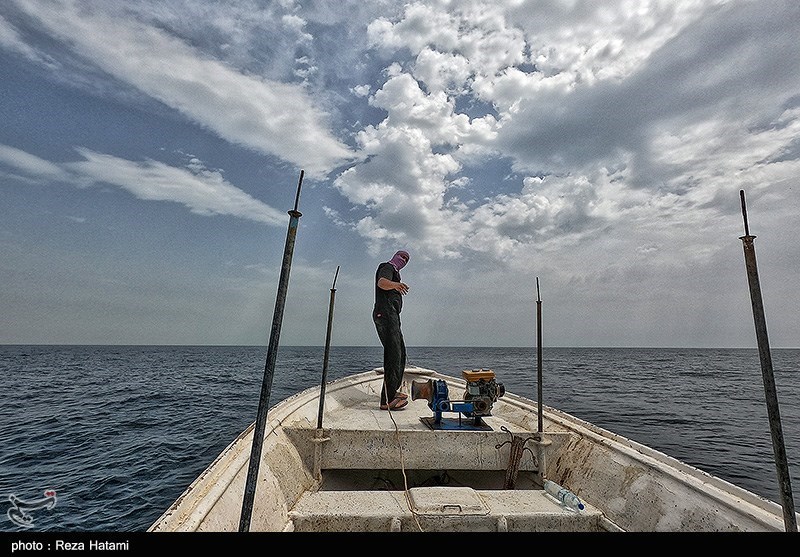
(386, 284)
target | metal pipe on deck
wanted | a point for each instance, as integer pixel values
(539, 352)
(778, 447)
(269, 367)
(327, 351)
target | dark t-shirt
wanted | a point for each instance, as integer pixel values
(386, 300)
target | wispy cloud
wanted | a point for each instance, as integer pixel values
(30, 165)
(11, 39)
(265, 115)
(201, 190)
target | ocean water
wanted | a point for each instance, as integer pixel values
(118, 432)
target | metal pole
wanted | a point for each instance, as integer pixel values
(539, 350)
(789, 517)
(269, 367)
(327, 351)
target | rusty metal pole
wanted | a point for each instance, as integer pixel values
(539, 352)
(327, 351)
(778, 447)
(269, 367)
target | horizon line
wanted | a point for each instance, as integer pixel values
(377, 346)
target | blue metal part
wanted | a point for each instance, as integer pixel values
(441, 403)
(476, 403)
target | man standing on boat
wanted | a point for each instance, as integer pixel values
(389, 292)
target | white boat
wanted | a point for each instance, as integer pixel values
(463, 455)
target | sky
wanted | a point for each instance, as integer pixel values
(150, 153)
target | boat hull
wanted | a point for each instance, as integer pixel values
(373, 470)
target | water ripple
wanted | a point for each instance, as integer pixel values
(119, 432)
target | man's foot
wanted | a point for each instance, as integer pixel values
(396, 404)
(400, 395)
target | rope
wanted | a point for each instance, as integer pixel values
(515, 457)
(403, 465)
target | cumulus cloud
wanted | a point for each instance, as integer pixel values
(605, 113)
(406, 177)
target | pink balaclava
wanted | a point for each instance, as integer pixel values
(399, 259)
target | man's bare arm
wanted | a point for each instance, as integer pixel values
(386, 284)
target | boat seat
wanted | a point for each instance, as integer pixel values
(438, 509)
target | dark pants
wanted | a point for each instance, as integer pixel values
(387, 324)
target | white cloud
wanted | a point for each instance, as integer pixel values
(245, 109)
(361, 90)
(406, 177)
(30, 164)
(297, 24)
(432, 114)
(421, 25)
(441, 71)
(11, 39)
(638, 112)
(201, 190)
(599, 144)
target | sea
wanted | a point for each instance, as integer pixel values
(105, 438)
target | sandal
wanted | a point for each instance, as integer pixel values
(396, 404)
(401, 396)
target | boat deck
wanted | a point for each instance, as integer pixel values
(358, 409)
(376, 468)
(357, 434)
(362, 469)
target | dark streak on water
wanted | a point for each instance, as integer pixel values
(120, 431)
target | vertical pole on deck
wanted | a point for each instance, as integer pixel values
(789, 517)
(269, 367)
(327, 351)
(539, 351)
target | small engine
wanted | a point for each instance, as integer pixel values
(481, 393)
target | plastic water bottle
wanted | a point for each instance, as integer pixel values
(563, 496)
